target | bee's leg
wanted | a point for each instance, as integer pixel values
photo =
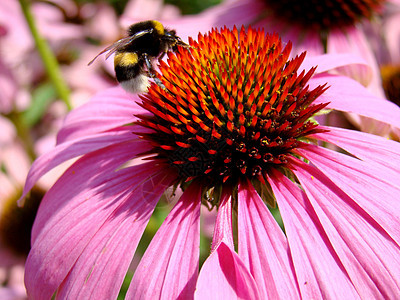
(162, 55)
(152, 72)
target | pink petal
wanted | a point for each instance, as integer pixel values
(74, 212)
(100, 270)
(223, 223)
(327, 62)
(224, 274)
(107, 110)
(78, 174)
(316, 264)
(368, 147)
(355, 41)
(302, 40)
(129, 145)
(369, 256)
(169, 267)
(347, 95)
(375, 190)
(263, 247)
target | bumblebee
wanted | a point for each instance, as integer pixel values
(146, 41)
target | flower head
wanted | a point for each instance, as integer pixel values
(326, 15)
(231, 126)
(227, 112)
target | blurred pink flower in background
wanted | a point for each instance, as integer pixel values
(66, 26)
(385, 39)
(22, 75)
(15, 223)
(8, 87)
(231, 129)
(14, 44)
(140, 10)
(14, 290)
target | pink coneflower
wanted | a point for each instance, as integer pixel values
(233, 129)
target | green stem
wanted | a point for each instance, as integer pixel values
(23, 133)
(48, 58)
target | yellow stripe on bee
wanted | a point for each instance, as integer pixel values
(158, 27)
(125, 59)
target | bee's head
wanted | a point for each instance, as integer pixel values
(173, 40)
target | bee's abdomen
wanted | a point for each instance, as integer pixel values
(127, 65)
(129, 72)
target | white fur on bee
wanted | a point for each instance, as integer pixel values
(139, 84)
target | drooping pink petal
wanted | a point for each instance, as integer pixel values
(224, 274)
(368, 147)
(327, 62)
(347, 95)
(368, 254)
(263, 247)
(63, 152)
(374, 189)
(100, 270)
(169, 267)
(315, 261)
(108, 109)
(309, 41)
(355, 41)
(69, 219)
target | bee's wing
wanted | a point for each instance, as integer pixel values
(121, 43)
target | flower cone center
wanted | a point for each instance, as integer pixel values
(16, 222)
(233, 106)
(324, 15)
(391, 82)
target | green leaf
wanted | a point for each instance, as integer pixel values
(41, 98)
